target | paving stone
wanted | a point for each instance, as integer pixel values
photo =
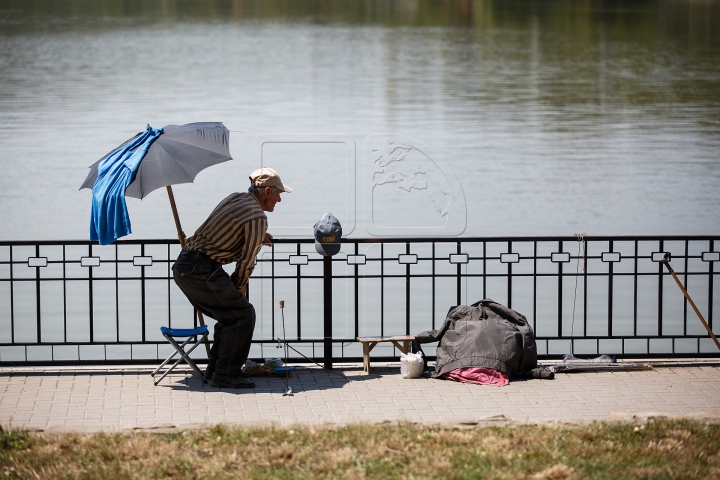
(116, 398)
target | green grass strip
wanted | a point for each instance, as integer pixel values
(659, 449)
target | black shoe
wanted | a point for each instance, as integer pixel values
(227, 381)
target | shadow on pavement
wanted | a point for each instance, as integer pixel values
(302, 380)
(17, 372)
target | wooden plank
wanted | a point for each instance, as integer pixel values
(398, 338)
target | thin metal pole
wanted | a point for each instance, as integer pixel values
(37, 297)
(357, 292)
(660, 294)
(382, 289)
(685, 282)
(459, 279)
(635, 291)
(710, 287)
(12, 299)
(534, 278)
(64, 280)
(117, 293)
(509, 286)
(560, 293)
(272, 289)
(585, 289)
(327, 307)
(484, 269)
(169, 276)
(142, 294)
(432, 313)
(610, 293)
(90, 298)
(299, 297)
(407, 292)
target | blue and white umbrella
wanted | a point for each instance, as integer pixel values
(151, 159)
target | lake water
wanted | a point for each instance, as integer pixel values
(516, 117)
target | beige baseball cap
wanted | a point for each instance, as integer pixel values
(267, 177)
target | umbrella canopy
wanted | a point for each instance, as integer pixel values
(177, 156)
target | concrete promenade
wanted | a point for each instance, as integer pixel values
(124, 398)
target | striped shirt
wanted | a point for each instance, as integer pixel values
(234, 232)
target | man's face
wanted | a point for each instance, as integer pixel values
(272, 196)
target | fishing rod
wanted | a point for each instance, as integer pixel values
(666, 262)
(288, 388)
(286, 346)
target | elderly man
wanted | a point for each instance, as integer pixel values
(234, 232)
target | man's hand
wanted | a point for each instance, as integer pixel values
(243, 289)
(268, 239)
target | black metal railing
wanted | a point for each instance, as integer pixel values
(75, 302)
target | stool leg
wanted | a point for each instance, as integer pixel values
(170, 357)
(164, 363)
(178, 349)
(190, 361)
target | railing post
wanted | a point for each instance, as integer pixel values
(38, 305)
(560, 294)
(710, 287)
(327, 307)
(610, 294)
(91, 309)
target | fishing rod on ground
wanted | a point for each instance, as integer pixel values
(666, 261)
(287, 347)
(288, 388)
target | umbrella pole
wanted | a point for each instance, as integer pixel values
(181, 237)
(666, 261)
(181, 234)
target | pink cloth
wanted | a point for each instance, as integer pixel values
(479, 375)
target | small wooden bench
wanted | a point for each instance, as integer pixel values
(368, 343)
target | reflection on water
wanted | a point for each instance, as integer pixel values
(556, 116)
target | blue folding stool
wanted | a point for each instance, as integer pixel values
(198, 335)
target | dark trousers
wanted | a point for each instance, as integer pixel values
(209, 289)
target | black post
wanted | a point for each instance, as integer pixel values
(142, 295)
(610, 294)
(560, 294)
(327, 302)
(37, 297)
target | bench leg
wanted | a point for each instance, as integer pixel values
(405, 347)
(366, 357)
